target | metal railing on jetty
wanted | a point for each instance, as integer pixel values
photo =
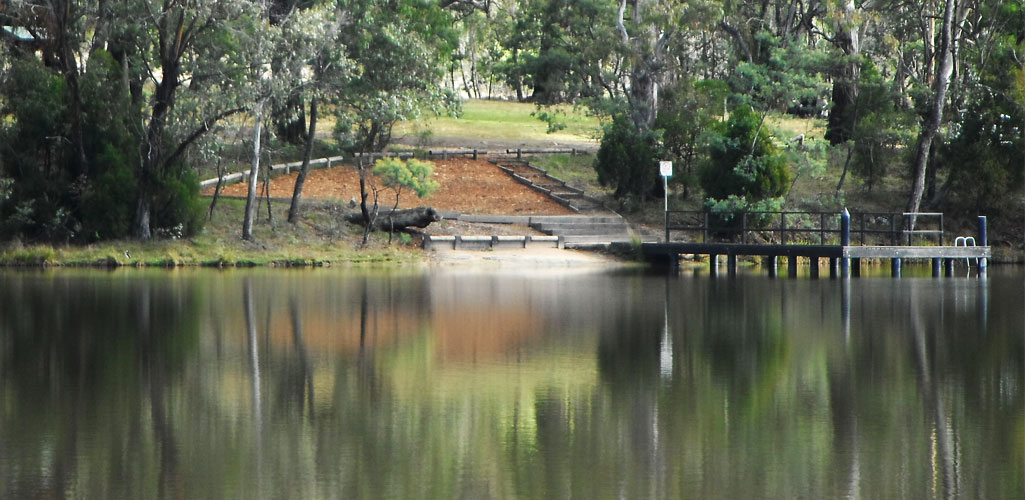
(776, 227)
(844, 239)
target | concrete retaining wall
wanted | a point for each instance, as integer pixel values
(441, 243)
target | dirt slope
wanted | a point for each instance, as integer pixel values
(467, 186)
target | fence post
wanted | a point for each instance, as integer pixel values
(667, 226)
(783, 227)
(474, 154)
(845, 241)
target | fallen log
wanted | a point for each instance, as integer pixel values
(399, 219)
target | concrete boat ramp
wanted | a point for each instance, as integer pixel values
(559, 231)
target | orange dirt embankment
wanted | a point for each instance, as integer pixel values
(466, 186)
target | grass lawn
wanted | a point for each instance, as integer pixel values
(501, 121)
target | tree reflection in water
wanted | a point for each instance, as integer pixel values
(442, 385)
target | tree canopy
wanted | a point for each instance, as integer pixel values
(107, 108)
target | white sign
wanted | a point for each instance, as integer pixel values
(665, 168)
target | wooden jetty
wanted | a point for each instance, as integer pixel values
(772, 235)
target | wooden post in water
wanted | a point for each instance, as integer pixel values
(856, 268)
(936, 267)
(770, 263)
(983, 242)
(895, 268)
(948, 267)
(813, 269)
(834, 264)
(731, 264)
(792, 266)
(845, 241)
(713, 265)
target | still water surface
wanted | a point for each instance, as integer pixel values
(444, 384)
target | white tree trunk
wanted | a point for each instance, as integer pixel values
(931, 125)
(254, 170)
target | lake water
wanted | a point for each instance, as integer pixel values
(445, 383)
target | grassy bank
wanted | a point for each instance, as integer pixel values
(500, 121)
(322, 238)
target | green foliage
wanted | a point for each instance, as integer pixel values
(627, 160)
(412, 174)
(725, 213)
(882, 132)
(743, 161)
(107, 210)
(687, 111)
(385, 71)
(985, 157)
(790, 74)
(554, 118)
(178, 209)
(33, 145)
(112, 144)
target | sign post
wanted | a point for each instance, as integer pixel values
(665, 169)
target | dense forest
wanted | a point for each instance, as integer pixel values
(107, 108)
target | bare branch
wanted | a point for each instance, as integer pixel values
(196, 134)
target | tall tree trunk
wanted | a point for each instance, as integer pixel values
(254, 170)
(170, 29)
(300, 179)
(518, 84)
(648, 61)
(840, 126)
(932, 121)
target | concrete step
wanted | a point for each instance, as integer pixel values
(576, 228)
(576, 219)
(579, 239)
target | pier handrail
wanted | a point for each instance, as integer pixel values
(789, 226)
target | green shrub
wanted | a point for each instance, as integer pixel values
(627, 160)
(743, 161)
(178, 209)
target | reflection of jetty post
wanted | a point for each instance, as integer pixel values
(845, 309)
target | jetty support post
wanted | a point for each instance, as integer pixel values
(791, 266)
(845, 241)
(895, 267)
(669, 262)
(936, 265)
(731, 264)
(984, 242)
(813, 267)
(770, 263)
(713, 265)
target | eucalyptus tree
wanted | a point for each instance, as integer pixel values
(317, 67)
(936, 101)
(983, 154)
(191, 54)
(391, 48)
